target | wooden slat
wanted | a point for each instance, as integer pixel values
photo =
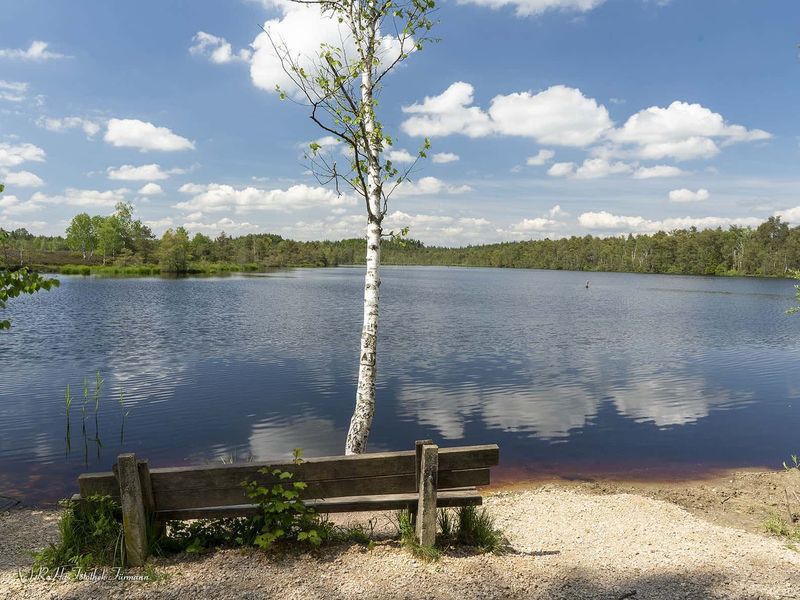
(168, 498)
(469, 457)
(469, 497)
(104, 484)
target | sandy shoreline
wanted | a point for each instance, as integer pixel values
(570, 539)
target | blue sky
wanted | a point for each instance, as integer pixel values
(547, 118)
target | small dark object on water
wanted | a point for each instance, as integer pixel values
(587, 285)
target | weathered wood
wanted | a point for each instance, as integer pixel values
(377, 481)
(468, 497)
(426, 505)
(103, 484)
(134, 519)
(314, 469)
(168, 497)
(149, 498)
(147, 487)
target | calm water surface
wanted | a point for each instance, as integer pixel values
(637, 374)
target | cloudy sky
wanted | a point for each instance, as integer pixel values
(546, 117)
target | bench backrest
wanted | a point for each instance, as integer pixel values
(327, 477)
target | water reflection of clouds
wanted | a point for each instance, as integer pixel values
(316, 436)
(552, 412)
(675, 401)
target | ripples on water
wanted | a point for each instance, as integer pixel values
(635, 372)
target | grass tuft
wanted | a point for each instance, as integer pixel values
(776, 525)
(91, 535)
(469, 526)
(408, 538)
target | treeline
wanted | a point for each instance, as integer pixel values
(772, 250)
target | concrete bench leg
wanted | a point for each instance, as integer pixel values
(134, 518)
(427, 476)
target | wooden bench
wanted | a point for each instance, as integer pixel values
(418, 480)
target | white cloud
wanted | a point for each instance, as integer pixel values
(215, 197)
(217, 49)
(11, 205)
(90, 127)
(151, 172)
(610, 222)
(133, 133)
(540, 158)
(326, 142)
(557, 211)
(78, 197)
(193, 188)
(559, 115)
(445, 157)
(524, 8)
(429, 186)
(225, 224)
(158, 226)
(681, 131)
(150, 189)
(789, 214)
(593, 168)
(13, 91)
(22, 179)
(439, 229)
(12, 155)
(685, 195)
(658, 171)
(448, 113)
(36, 52)
(400, 156)
(302, 28)
(537, 224)
(562, 169)
(432, 229)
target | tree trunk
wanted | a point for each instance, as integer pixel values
(361, 422)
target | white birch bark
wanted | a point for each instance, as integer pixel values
(361, 421)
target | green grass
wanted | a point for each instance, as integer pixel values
(466, 526)
(408, 538)
(150, 270)
(472, 527)
(776, 525)
(91, 535)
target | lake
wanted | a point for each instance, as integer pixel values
(638, 375)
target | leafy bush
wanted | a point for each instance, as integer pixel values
(282, 514)
(91, 535)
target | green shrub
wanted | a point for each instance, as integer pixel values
(282, 514)
(91, 535)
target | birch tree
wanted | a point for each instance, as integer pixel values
(341, 87)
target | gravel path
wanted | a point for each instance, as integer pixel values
(567, 544)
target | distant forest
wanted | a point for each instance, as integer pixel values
(120, 244)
